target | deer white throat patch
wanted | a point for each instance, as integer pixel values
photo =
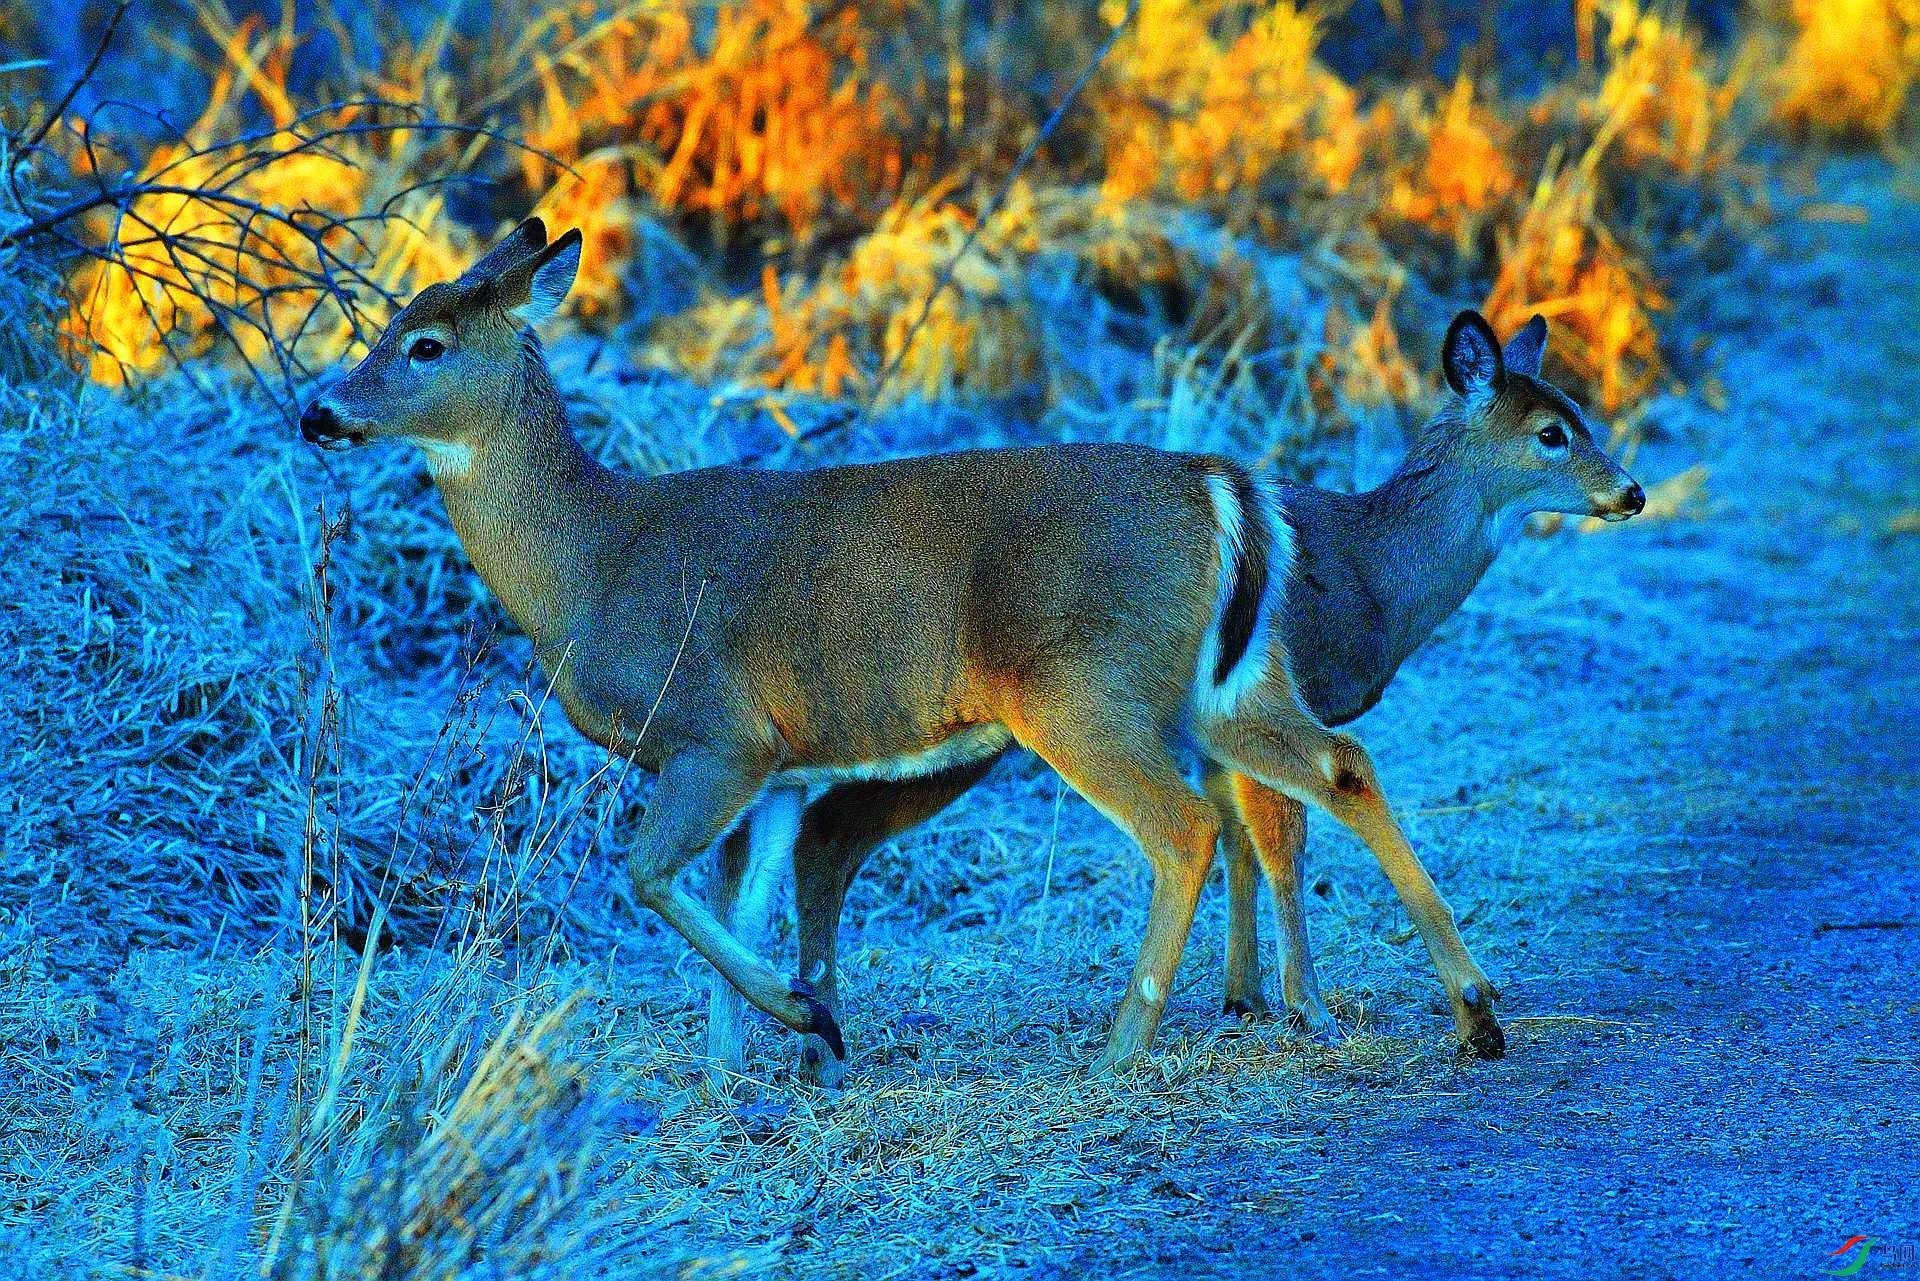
(445, 459)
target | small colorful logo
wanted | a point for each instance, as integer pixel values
(1859, 1260)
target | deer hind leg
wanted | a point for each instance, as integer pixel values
(839, 831)
(1127, 773)
(1277, 825)
(1245, 988)
(697, 798)
(1280, 745)
(749, 863)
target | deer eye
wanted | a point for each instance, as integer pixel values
(426, 349)
(1553, 436)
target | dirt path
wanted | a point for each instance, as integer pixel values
(1721, 724)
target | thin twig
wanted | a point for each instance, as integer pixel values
(73, 90)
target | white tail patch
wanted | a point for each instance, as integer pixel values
(1222, 698)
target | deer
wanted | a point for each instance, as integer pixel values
(744, 635)
(1372, 575)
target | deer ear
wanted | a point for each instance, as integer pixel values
(518, 245)
(534, 290)
(1471, 356)
(1527, 348)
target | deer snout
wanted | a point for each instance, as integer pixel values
(322, 427)
(1625, 503)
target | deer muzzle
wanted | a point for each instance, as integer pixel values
(321, 427)
(1631, 501)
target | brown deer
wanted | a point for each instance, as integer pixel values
(1373, 574)
(745, 634)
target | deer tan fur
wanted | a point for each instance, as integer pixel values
(1373, 574)
(745, 634)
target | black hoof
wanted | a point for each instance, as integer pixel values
(1487, 1042)
(1237, 1008)
(820, 1020)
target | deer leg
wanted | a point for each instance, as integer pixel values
(837, 834)
(1127, 773)
(748, 868)
(1277, 825)
(1287, 750)
(695, 801)
(1245, 992)
(726, 1008)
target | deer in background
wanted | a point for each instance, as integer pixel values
(1372, 576)
(743, 635)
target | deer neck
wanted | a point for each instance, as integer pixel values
(531, 507)
(1429, 536)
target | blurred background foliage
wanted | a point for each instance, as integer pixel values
(776, 193)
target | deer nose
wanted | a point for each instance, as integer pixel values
(1634, 501)
(319, 424)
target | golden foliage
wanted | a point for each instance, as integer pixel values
(1660, 93)
(1201, 117)
(761, 110)
(1562, 262)
(801, 335)
(1362, 365)
(1463, 171)
(1850, 67)
(784, 132)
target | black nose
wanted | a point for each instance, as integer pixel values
(319, 424)
(1634, 501)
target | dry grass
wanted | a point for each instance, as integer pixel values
(1849, 68)
(826, 167)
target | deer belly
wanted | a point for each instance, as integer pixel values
(972, 743)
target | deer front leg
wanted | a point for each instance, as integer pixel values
(837, 834)
(1289, 752)
(1122, 767)
(726, 1008)
(698, 796)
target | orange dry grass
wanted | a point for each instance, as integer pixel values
(1850, 68)
(1463, 174)
(1660, 92)
(803, 336)
(1200, 116)
(1362, 366)
(764, 110)
(834, 334)
(1562, 262)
